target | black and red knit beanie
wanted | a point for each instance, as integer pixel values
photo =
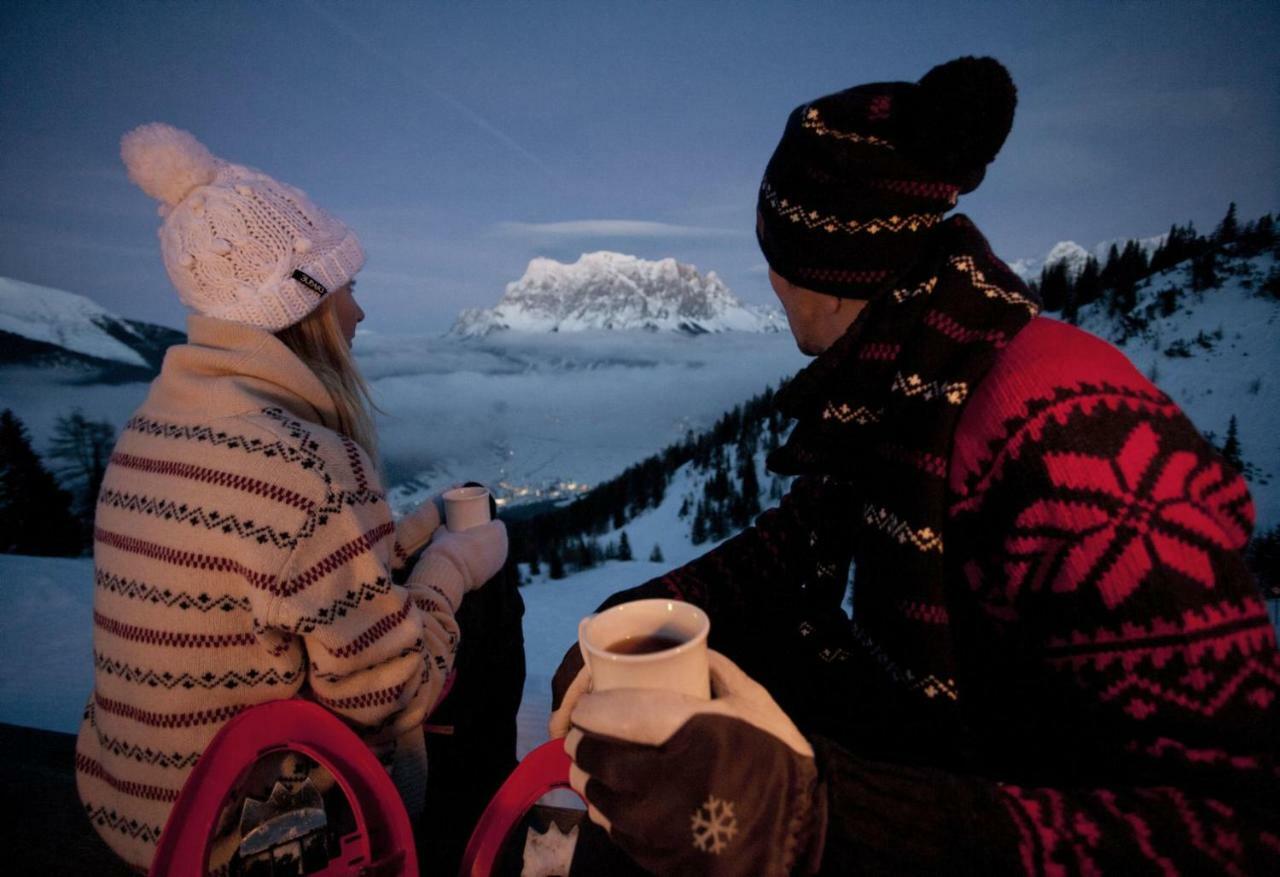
(862, 176)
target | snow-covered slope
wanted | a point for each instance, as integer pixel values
(41, 327)
(64, 319)
(1075, 256)
(613, 291)
(1217, 354)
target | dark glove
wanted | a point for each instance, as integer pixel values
(687, 786)
(572, 680)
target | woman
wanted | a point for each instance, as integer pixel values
(244, 550)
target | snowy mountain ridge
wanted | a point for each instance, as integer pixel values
(41, 324)
(614, 291)
(1075, 256)
(62, 318)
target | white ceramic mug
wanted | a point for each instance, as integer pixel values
(680, 667)
(466, 507)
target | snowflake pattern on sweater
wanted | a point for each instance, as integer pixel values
(1057, 661)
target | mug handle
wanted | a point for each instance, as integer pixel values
(582, 626)
(542, 770)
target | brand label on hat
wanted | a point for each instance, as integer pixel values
(310, 282)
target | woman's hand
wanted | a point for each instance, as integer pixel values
(414, 529)
(472, 557)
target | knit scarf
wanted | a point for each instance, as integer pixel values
(877, 413)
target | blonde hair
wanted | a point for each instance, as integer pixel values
(318, 341)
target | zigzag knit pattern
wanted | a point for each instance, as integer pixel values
(1085, 680)
(831, 223)
(242, 554)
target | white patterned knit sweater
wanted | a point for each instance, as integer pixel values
(243, 553)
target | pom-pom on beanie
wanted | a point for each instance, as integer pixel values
(862, 176)
(238, 245)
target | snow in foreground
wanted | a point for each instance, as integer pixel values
(46, 622)
(46, 638)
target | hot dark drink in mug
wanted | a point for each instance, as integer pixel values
(648, 644)
(644, 644)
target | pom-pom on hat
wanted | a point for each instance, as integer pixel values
(862, 176)
(238, 245)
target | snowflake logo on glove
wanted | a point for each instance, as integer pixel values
(714, 825)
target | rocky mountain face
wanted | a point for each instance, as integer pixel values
(612, 291)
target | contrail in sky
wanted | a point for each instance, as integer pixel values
(479, 120)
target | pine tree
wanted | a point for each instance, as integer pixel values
(1055, 286)
(747, 504)
(1265, 231)
(655, 556)
(1110, 268)
(698, 534)
(35, 513)
(534, 569)
(718, 524)
(684, 509)
(1168, 299)
(1204, 270)
(1086, 289)
(555, 566)
(587, 553)
(1180, 244)
(1271, 283)
(1139, 264)
(1164, 256)
(1263, 558)
(1256, 237)
(624, 547)
(1128, 268)
(1231, 451)
(1229, 229)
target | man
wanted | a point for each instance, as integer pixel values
(1056, 661)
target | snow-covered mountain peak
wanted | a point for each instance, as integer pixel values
(1075, 256)
(1070, 252)
(615, 291)
(64, 319)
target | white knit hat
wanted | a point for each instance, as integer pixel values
(237, 244)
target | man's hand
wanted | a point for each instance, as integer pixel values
(726, 786)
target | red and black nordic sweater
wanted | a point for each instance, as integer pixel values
(1057, 661)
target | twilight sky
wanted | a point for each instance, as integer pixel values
(462, 139)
